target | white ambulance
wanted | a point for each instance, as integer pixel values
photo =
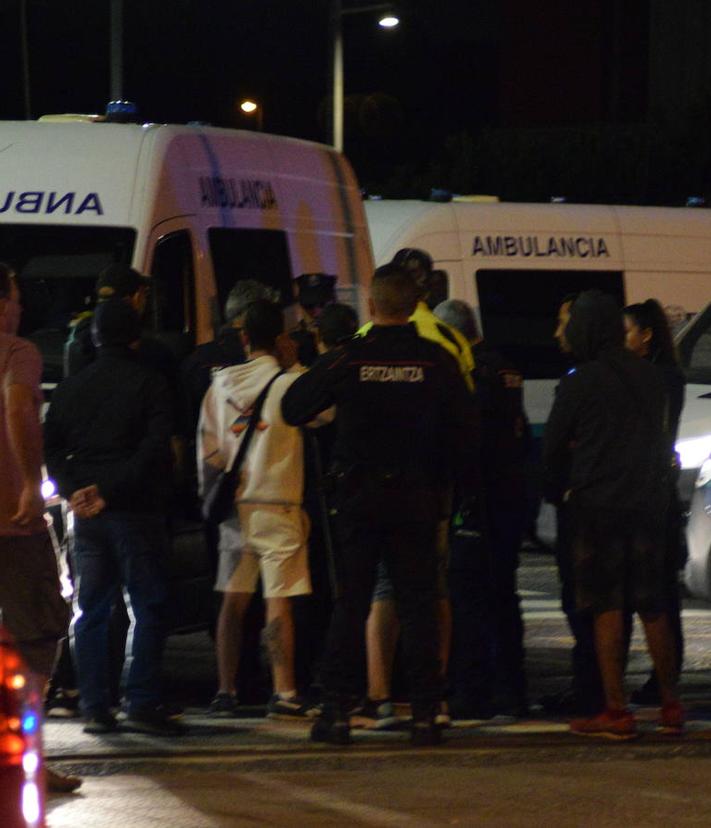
(194, 207)
(516, 262)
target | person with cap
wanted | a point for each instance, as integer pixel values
(118, 281)
(31, 603)
(487, 667)
(316, 290)
(107, 445)
(389, 468)
(115, 282)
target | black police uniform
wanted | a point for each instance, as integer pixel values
(487, 645)
(405, 427)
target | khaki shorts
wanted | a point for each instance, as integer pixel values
(268, 540)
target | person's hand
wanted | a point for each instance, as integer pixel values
(286, 350)
(30, 507)
(87, 502)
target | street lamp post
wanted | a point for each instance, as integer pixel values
(116, 49)
(387, 20)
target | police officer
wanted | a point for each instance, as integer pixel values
(316, 290)
(405, 429)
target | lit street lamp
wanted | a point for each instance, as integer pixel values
(250, 107)
(387, 20)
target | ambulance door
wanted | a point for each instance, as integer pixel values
(172, 311)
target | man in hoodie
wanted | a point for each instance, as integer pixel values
(269, 536)
(107, 441)
(605, 456)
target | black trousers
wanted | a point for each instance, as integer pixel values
(488, 654)
(410, 555)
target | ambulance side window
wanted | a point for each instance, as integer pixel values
(172, 297)
(519, 310)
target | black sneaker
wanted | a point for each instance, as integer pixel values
(294, 708)
(64, 704)
(426, 733)
(223, 706)
(152, 721)
(571, 702)
(375, 715)
(331, 732)
(100, 721)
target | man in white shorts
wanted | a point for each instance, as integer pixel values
(269, 533)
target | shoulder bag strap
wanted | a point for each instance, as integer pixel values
(253, 420)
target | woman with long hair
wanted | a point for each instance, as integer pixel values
(649, 336)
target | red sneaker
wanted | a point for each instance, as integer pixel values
(610, 724)
(672, 719)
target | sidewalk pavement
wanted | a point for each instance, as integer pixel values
(255, 740)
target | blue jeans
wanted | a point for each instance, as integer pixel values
(115, 550)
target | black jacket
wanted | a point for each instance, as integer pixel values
(402, 409)
(80, 351)
(197, 370)
(606, 439)
(110, 425)
(506, 434)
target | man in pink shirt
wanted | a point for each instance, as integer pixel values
(33, 609)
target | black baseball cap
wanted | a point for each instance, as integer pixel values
(407, 256)
(316, 289)
(118, 281)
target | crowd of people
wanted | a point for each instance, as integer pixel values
(380, 470)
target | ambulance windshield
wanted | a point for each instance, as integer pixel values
(57, 267)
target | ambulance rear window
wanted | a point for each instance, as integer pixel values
(519, 312)
(251, 254)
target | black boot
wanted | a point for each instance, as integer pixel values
(331, 731)
(425, 733)
(333, 725)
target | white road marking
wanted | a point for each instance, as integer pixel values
(367, 814)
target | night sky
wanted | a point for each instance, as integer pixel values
(455, 72)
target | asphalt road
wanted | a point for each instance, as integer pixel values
(502, 773)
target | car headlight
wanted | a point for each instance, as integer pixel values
(693, 453)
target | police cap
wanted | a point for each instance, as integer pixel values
(316, 289)
(119, 281)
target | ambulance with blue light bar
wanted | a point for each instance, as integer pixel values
(516, 262)
(195, 208)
